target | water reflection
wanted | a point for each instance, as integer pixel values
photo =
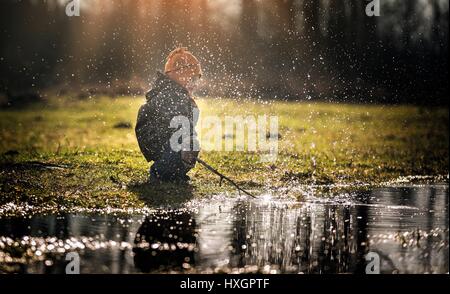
(166, 241)
(407, 227)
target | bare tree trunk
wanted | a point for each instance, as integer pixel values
(437, 40)
(409, 18)
(311, 10)
(249, 45)
(336, 23)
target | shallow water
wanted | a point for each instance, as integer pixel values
(407, 227)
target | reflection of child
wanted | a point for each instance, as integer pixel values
(169, 97)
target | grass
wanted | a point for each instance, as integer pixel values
(67, 153)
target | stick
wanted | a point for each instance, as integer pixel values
(223, 177)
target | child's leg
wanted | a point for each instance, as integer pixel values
(169, 167)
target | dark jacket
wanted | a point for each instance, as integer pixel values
(165, 100)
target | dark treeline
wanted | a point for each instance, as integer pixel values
(286, 49)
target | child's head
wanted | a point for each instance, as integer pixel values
(183, 67)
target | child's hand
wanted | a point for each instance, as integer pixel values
(189, 158)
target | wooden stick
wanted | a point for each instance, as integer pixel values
(223, 177)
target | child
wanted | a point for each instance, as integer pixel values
(169, 97)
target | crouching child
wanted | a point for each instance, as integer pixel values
(169, 98)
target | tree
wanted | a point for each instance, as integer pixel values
(249, 42)
(311, 16)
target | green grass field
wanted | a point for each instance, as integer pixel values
(68, 153)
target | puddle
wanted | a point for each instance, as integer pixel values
(406, 226)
